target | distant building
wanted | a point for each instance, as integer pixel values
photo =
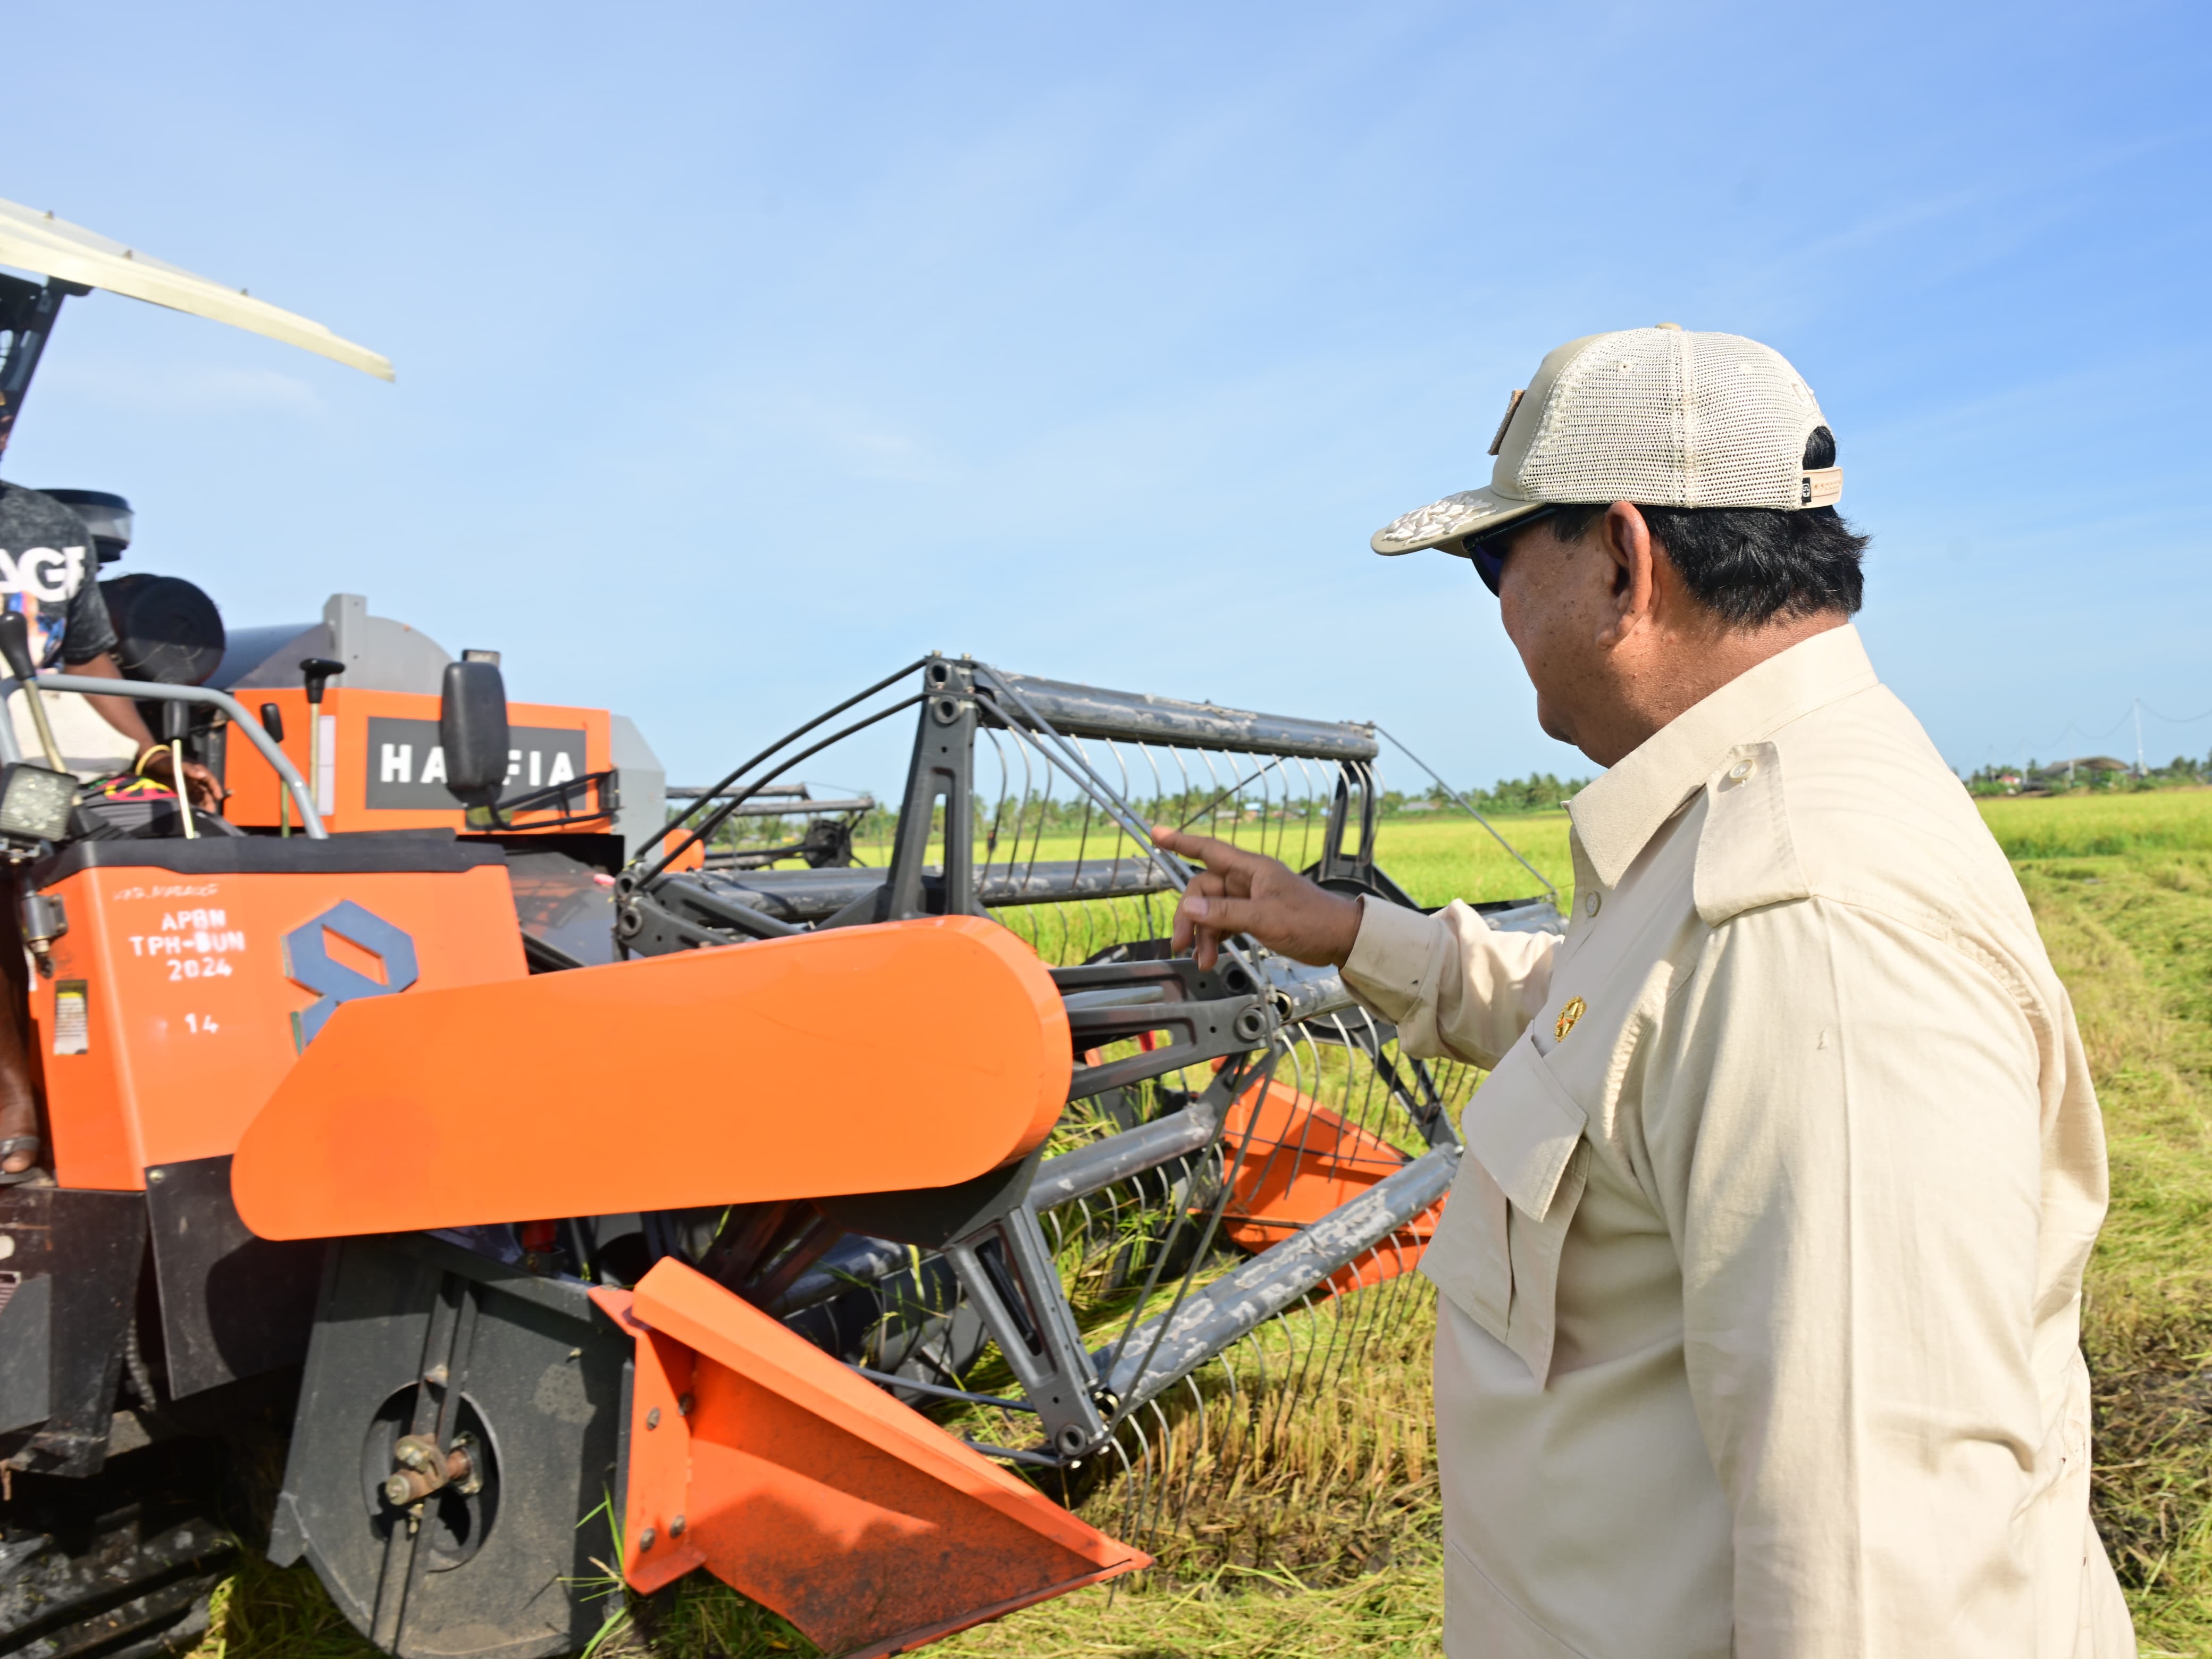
(2084, 769)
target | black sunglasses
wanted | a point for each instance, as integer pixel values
(1487, 553)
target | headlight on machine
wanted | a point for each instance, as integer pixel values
(35, 802)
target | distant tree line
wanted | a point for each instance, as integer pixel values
(2102, 772)
(1539, 791)
(1216, 807)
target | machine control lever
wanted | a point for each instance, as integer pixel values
(15, 650)
(316, 671)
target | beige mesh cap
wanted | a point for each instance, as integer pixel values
(1658, 416)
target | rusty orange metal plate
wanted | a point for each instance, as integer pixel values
(1301, 1161)
(913, 1054)
(756, 1456)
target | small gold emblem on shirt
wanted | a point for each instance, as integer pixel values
(1568, 1015)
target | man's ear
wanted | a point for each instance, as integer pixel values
(1626, 539)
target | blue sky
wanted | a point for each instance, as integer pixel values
(745, 352)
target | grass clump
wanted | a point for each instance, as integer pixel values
(263, 1612)
(1397, 1612)
(2131, 934)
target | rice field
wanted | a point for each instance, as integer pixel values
(1435, 859)
(1332, 1548)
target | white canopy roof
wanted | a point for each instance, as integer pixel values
(38, 242)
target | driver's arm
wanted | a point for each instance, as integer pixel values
(121, 712)
(151, 757)
(88, 644)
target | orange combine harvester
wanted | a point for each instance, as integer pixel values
(572, 1189)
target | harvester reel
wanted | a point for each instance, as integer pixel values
(1150, 1180)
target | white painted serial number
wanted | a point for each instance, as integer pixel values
(199, 967)
(193, 940)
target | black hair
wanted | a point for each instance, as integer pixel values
(1753, 564)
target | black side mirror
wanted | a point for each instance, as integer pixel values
(472, 731)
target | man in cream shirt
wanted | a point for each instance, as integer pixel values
(1758, 1331)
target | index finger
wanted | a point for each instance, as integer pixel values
(1213, 854)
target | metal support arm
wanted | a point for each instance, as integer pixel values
(1159, 1353)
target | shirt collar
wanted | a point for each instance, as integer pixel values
(1616, 816)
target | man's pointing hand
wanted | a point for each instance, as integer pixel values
(1240, 892)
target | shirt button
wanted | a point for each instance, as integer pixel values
(1590, 902)
(1742, 769)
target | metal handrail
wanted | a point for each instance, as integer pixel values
(153, 691)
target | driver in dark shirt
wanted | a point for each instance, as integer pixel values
(49, 572)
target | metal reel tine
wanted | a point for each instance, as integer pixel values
(1348, 1312)
(1160, 1482)
(1248, 1419)
(1387, 1296)
(1402, 1280)
(1295, 1364)
(1201, 1414)
(1114, 1442)
(1139, 1493)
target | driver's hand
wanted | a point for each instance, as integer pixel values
(206, 794)
(1240, 892)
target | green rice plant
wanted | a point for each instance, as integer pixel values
(1449, 856)
(1066, 934)
(2100, 824)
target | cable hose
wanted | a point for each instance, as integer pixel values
(135, 1367)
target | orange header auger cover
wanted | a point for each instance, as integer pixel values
(755, 1455)
(877, 1059)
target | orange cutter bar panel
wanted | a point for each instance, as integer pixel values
(181, 996)
(672, 1081)
(756, 1456)
(381, 764)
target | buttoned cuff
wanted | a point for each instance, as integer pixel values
(1392, 957)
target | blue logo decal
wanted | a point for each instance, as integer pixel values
(307, 961)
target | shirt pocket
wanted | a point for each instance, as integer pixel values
(1496, 1251)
